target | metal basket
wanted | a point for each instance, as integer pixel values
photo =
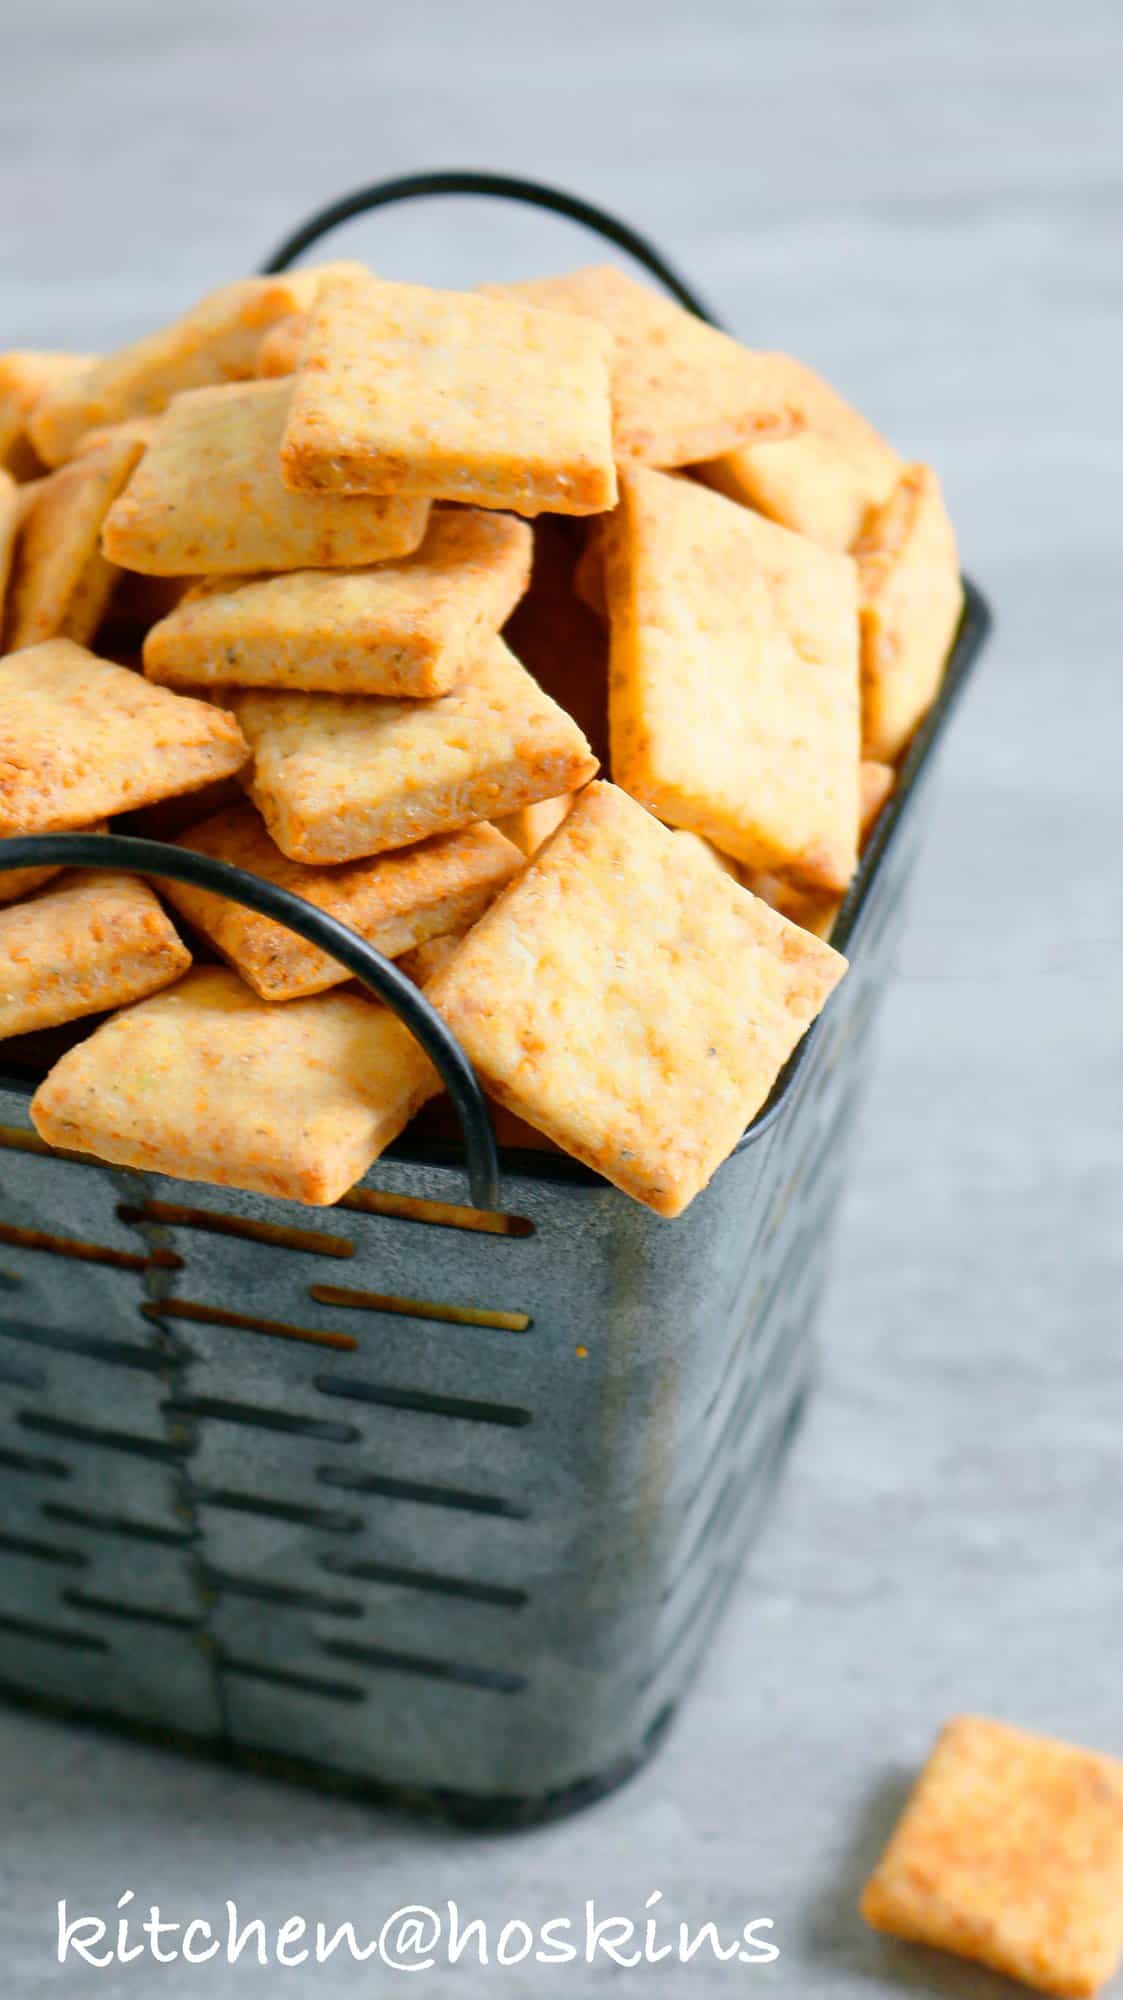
(442, 1501)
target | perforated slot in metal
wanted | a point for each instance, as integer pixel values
(277, 1235)
(283, 1594)
(27, 1461)
(127, 1441)
(333, 1521)
(456, 1497)
(117, 1524)
(390, 1302)
(258, 1419)
(57, 1635)
(48, 1552)
(434, 1670)
(133, 1614)
(277, 1329)
(438, 1214)
(424, 1402)
(365, 1571)
(301, 1683)
(87, 1253)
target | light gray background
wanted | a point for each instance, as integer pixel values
(925, 201)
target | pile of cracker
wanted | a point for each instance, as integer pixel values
(359, 585)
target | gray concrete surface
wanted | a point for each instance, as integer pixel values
(926, 202)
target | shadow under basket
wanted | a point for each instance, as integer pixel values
(436, 1501)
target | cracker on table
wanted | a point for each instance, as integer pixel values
(410, 627)
(820, 483)
(558, 639)
(911, 603)
(25, 375)
(632, 1002)
(875, 785)
(410, 391)
(681, 390)
(91, 941)
(207, 498)
(395, 902)
(61, 583)
(81, 738)
(216, 341)
(336, 777)
(207, 1082)
(733, 691)
(1010, 1851)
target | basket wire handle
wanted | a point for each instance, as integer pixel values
(316, 927)
(507, 187)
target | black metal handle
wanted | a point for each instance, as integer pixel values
(381, 975)
(508, 187)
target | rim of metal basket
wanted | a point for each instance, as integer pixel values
(380, 974)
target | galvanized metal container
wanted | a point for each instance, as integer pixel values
(437, 1500)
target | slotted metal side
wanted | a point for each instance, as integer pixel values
(433, 1501)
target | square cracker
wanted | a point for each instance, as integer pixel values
(336, 777)
(89, 942)
(1010, 1851)
(820, 483)
(911, 603)
(395, 902)
(81, 738)
(61, 583)
(632, 1002)
(208, 498)
(216, 341)
(208, 1083)
(681, 390)
(24, 376)
(733, 690)
(411, 391)
(410, 627)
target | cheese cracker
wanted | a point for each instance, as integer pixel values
(61, 582)
(336, 777)
(410, 627)
(81, 738)
(631, 1002)
(395, 902)
(911, 604)
(26, 375)
(1010, 1851)
(92, 941)
(208, 1083)
(208, 498)
(447, 394)
(681, 390)
(734, 708)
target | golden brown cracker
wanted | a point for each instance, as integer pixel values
(411, 627)
(11, 513)
(207, 498)
(81, 738)
(216, 341)
(733, 695)
(532, 825)
(206, 1082)
(92, 941)
(681, 390)
(1010, 1851)
(875, 786)
(61, 583)
(911, 604)
(281, 347)
(337, 777)
(25, 375)
(395, 902)
(403, 390)
(630, 1001)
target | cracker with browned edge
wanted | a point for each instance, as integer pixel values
(80, 738)
(411, 391)
(207, 498)
(91, 941)
(281, 347)
(632, 1002)
(911, 603)
(25, 375)
(820, 483)
(216, 341)
(681, 390)
(532, 825)
(875, 786)
(733, 692)
(336, 777)
(61, 583)
(209, 1083)
(1010, 1851)
(394, 902)
(411, 627)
